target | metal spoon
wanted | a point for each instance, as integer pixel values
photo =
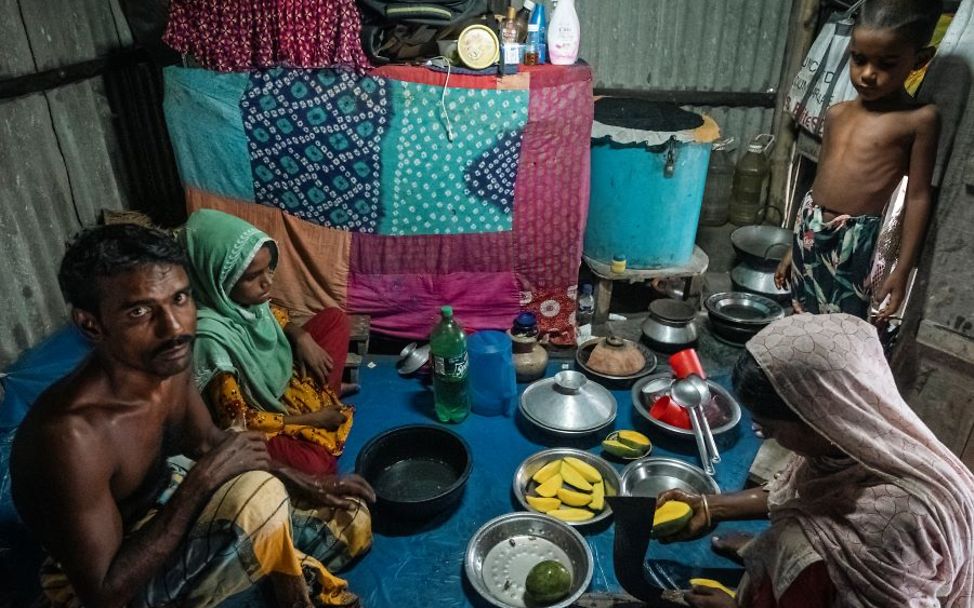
(686, 395)
(703, 389)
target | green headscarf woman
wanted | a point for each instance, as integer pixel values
(246, 341)
(243, 362)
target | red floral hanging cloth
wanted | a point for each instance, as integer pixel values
(240, 35)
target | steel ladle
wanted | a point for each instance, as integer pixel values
(692, 393)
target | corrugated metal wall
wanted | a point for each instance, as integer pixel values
(690, 45)
(59, 156)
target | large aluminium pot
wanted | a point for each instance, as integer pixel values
(761, 247)
(759, 250)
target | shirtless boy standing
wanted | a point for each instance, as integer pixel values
(868, 145)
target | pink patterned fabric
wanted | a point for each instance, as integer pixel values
(895, 521)
(239, 35)
(432, 254)
(407, 305)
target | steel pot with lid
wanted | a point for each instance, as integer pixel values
(568, 405)
(670, 326)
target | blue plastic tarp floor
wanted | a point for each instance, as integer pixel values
(412, 565)
(423, 566)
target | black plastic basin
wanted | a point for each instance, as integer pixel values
(417, 471)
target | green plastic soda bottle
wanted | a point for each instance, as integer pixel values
(448, 347)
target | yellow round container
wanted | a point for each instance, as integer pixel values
(478, 47)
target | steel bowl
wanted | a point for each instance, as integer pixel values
(723, 411)
(654, 475)
(761, 246)
(523, 482)
(502, 552)
(585, 351)
(417, 471)
(568, 405)
(744, 277)
(738, 316)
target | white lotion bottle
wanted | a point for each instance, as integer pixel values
(564, 34)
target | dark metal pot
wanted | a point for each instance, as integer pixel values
(670, 327)
(761, 247)
(417, 471)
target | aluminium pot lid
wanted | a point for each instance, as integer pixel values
(568, 403)
(669, 310)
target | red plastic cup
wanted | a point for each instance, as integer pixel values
(686, 363)
(672, 414)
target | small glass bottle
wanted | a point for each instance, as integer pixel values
(586, 306)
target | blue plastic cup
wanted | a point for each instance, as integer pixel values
(493, 388)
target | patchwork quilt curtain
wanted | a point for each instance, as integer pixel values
(391, 194)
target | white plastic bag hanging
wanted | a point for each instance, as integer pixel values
(823, 79)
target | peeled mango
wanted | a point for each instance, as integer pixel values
(574, 499)
(590, 473)
(550, 487)
(671, 517)
(572, 477)
(548, 582)
(598, 497)
(566, 485)
(547, 471)
(571, 514)
(542, 504)
(706, 582)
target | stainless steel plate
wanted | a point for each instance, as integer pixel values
(523, 483)
(654, 475)
(723, 411)
(568, 404)
(502, 552)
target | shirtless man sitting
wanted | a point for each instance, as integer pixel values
(95, 478)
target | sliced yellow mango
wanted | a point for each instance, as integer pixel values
(547, 471)
(634, 439)
(671, 517)
(617, 448)
(542, 504)
(550, 487)
(571, 476)
(598, 497)
(573, 498)
(706, 582)
(571, 514)
(590, 473)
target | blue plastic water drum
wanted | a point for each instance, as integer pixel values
(493, 389)
(645, 199)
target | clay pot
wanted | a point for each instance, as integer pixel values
(530, 358)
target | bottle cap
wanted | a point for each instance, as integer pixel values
(528, 5)
(511, 12)
(526, 319)
(618, 258)
(587, 289)
(447, 311)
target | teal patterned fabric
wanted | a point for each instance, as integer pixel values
(433, 185)
(314, 143)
